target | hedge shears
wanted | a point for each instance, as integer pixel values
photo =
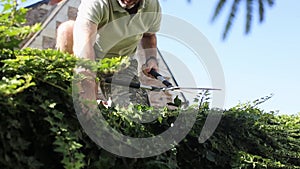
(169, 86)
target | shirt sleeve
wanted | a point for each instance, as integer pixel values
(92, 10)
(157, 20)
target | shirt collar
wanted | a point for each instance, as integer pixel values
(142, 4)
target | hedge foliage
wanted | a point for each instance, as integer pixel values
(39, 127)
(12, 24)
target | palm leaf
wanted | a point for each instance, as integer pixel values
(271, 2)
(231, 18)
(249, 14)
(261, 10)
(218, 9)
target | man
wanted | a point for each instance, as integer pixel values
(112, 28)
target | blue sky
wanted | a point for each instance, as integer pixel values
(263, 62)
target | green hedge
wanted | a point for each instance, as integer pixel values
(39, 127)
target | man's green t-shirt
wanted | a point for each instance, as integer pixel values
(119, 32)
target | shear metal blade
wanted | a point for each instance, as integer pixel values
(187, 88)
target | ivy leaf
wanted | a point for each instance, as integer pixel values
(176, 102)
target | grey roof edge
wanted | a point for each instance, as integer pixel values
(37, 3)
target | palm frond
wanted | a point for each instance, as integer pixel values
(250, 6)
(231, 18)
(271, 2)
(218, 9)
(261, 10)
(249, 14)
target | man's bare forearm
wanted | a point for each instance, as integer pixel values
(149, 43)
(84, 35)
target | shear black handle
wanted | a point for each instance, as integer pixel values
(122, 83)
(160, 77)
(131, 84)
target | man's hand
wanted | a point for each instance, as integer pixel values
(151, 63)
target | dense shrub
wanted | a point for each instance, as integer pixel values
(39, 128)
(12, 24)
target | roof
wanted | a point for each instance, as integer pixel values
(38, 3)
